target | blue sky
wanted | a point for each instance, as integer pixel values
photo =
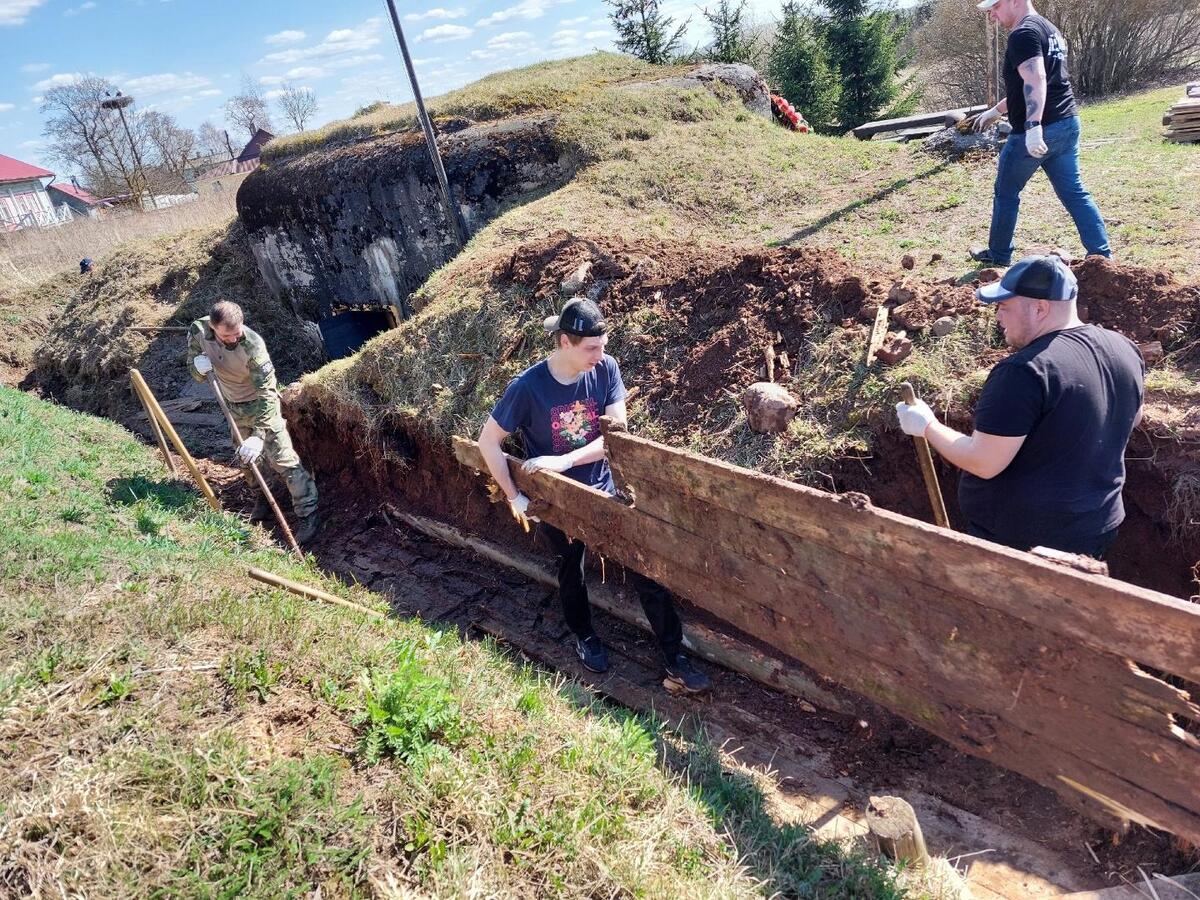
(186, 57)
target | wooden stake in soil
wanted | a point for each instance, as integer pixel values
(156, 430)
(895, 831)
(312, 593)
(258, 478)
(925, 458)
(147, 398)
(878, 333)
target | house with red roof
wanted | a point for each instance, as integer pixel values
(81, 202)
(228, 175)
(23, 198)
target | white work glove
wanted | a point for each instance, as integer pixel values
(987, 118)
(519, 505)
(546, 463)
(251, 450)
(202, 364)
(915, 418)
(1034, 145)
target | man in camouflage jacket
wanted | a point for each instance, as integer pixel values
(220, 343)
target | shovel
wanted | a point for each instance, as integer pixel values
(925, 458)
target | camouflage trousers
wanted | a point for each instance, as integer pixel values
(278, 454)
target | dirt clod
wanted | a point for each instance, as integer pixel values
(897, 347)
(769, 407)
(908, 261)
(1152, 352)
(987, 276)
(943, 326)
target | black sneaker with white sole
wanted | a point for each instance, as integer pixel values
(684, 677)
(592, 654)
(983, 256)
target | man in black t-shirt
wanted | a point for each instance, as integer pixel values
(1045, 464)
(1045, 131)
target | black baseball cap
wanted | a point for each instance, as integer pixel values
(579, 317)
(1037, 277)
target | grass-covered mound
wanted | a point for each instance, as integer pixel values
(171, 728)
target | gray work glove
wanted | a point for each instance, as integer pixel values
(546, 463)
(519, 506)
(1034, 145)
(202, 364)
(915, 418)
(250, 450)
(987, 118)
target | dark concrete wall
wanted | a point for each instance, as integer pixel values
(364, 223)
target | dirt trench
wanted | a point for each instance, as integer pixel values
(831, 762)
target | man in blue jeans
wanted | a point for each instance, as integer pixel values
(1045, 131)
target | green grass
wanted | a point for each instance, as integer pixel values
(171, 728)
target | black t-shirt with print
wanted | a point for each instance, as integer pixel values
(1035, 36)
(1074, 395)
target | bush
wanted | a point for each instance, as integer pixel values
(1115, 45)
(799, 68)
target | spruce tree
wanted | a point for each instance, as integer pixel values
(730, 43)
(799, 68)
(643, 31)
(864, 47)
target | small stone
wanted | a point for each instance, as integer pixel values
(573, 285)
(896, 348)
(943, 326)
(769, 407)
(1152, 352)
(987, 276)
(907, 261)
(937, 257)
(901, 293)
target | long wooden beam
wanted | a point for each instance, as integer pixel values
(944, 118)
(1006, 656)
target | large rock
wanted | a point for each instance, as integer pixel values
(769, 407)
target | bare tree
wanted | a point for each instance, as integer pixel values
(173, 146)
(299, 105)
(210, 139)
(79, 131)
(248, 110)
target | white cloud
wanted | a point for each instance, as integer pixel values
(436, 13)
(289, 36)
(441, 33)
(5, 107)
(210, 92)
(82, 8)
(526, 9)
(56, 80)
(164, 83)
(273, 95)
(483, 54)
(597, 35)
(305, 72)
(578, 20)
(342, 42)
(14, 12)
(509, 39)
(32, 145)
(272, 79)
(31, 68)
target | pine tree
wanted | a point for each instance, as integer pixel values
(799, 68)
(730, 43)
(643, 31)
(864, 48)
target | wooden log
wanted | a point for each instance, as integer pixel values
(862, 132)
(147, 396)
(928, 472)
(707, 643)
(894, 830)
(1123, 619)
(157, 431)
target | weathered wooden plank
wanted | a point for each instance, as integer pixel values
(896, 663)
(943, 118)
(1120, 618)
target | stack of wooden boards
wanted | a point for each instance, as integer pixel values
(1183, 118)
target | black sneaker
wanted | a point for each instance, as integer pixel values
(592, 654)
(983, 256)
(307, 528)
(684, 677)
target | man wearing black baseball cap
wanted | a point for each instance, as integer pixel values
(557, 405)
(1045, 464)
(1040, 104)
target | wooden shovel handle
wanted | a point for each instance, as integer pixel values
(925, 458)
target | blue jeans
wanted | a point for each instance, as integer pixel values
(1061, 164)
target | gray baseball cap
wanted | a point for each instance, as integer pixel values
(985, 5)
(1037, 277)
